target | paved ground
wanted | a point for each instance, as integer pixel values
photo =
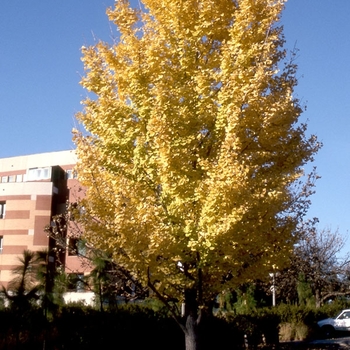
(330, 344)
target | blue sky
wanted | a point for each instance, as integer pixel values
(40, 70)
(320, 30)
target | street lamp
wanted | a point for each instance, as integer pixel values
(273, 289)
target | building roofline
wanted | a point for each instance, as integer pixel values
(67, 157)
(41, 153)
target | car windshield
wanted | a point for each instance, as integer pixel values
(344, 315)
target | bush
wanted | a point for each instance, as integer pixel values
(130, 326)
(20, 331)
(258, 328)
(300, 322)
(136, 326)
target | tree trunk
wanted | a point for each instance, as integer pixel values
(192, 339)
(193, 317)
(318, 298)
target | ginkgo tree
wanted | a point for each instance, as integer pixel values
(193, 152)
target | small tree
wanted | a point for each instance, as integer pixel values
(23, 289)
(317, 257)
(193, 154)
(246, 302)
(35, 283)
(107, 280)
(315, 267)
(305, 295)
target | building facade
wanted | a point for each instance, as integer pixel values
(33, 189)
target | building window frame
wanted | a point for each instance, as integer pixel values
(76, 282)
(34, 174)
(76, 246)
(2, 209)
(71, 174)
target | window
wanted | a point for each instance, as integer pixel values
(76, 282)
(12, 178)
(39, 174)
(71, 174)
(76, 246)
(1, 243)
(2, 210)
(4, 178)
(80, 283)
(344, 316)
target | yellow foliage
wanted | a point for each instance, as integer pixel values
(193, 147)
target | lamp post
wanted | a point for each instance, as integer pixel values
(273, 289)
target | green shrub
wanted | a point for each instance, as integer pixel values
(260, 327)
(148, 325)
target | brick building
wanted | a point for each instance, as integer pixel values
(33, 189)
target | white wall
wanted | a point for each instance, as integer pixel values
(73, 297)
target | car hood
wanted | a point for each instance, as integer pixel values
(327, 321)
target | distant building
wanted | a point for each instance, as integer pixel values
(33, 189)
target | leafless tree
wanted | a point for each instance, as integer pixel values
(317, 261)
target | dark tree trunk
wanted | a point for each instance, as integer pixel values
(192, 320)
(192, 339)
(191, 314)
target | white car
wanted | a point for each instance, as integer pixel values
(339, 323)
